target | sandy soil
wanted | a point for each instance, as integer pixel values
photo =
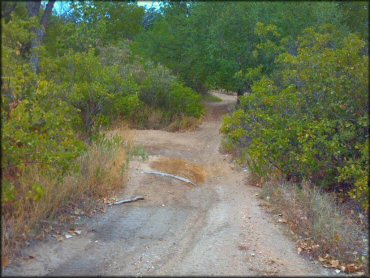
(214, 228)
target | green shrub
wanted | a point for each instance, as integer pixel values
(184, 101)
(309, 118)
(39, 130)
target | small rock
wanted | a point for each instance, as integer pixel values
(337, 271)
(253, 254)
(68, 236)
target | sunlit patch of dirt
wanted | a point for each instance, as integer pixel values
(182, 168)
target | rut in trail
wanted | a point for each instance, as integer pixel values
(214, 228)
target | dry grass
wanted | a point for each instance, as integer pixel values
(99, 172)
(181, 168)
(154, 118)
(149, 118)
(184, 124)
(316, 218)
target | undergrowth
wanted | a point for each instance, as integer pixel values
(99, 172)
(323, 228)
(151, 118)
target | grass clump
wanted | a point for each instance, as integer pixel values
(184, 123)
(139, 151)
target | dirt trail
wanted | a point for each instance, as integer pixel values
(215, 228)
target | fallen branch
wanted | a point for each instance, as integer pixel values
(129, 200)
(169, 175)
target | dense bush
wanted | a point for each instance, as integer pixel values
(309, 117)
(146, 84)
(37, 125)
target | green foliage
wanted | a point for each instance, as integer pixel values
(356, 172)
(152, 85)
(8, 192)
(93, 24)
(183, 101)
(309, 117)
(38, 130)
(208, 43)
(83, 85)
(355, 15)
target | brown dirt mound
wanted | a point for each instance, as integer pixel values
(182, 168)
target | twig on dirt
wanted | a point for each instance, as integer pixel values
(129, 200)
(169, 175)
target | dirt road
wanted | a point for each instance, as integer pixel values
(214, 228)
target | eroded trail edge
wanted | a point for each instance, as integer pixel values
(214, 228)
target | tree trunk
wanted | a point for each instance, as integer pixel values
(239, 94)
(34, 10)
(47, 14)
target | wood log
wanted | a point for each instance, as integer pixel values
(170, 176)
(134, 199)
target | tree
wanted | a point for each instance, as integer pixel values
(34, 11)
(208, 43)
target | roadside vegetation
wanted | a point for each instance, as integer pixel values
(304, 118)
(69, 79)
(66, 80)
(336, 235)
(308, 119)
